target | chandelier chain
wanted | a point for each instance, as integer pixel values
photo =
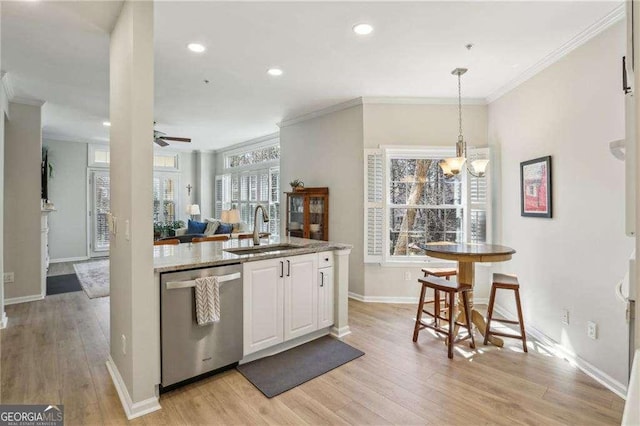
(460, 104)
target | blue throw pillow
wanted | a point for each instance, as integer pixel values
(194, 227)
(224, 228)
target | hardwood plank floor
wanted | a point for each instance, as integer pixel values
(54, 352)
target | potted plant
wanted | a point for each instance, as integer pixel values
(296, 185)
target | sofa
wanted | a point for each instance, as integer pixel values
(210, 226)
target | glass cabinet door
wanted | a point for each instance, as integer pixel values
(317, 219)
(295, 221)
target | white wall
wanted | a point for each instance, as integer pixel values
(68, 192)
(327, 151)
(135, 311)
(418, 125)
(570, 111)
(23, 154)
(205, 172)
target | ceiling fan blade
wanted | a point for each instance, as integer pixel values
(171, 138)
(161, 142)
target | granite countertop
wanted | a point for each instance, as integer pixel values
(189, 255)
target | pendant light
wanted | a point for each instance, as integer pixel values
(453, 166)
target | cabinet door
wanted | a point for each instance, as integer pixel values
(300, 295)
(325, 297)
(263, 307)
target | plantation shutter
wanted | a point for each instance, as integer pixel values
(222, 195)
(373, 205)
(479, 204)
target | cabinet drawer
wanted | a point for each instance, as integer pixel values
(325, 259)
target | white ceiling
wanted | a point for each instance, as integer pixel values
(58, 52)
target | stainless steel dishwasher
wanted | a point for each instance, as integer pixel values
(190, 350)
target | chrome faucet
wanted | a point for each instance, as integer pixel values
(265, 218)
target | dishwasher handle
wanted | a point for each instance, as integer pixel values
(174, 285)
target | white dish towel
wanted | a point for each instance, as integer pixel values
(207, 300)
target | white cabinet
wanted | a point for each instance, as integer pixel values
(263, 304)
(325, 289)
(286, 298)
(325, 297)
(300, 296)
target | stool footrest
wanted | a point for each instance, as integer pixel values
(506, 321)
(513, 336)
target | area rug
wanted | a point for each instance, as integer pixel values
(94, 277)
(58, 284)
(286, 370)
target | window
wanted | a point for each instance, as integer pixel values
(165, 197)
(409, 202)
(255, 156)
(99, 156)
(253, 178)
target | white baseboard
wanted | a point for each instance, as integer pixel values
(130, 409)
(23, 299)
(4, 321)
(69, 259)
(407, 300)
(589, 369)
(340, 332)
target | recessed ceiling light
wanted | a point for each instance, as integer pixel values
(363, 29)
(274, 72)
(196, 47)
(106, 123)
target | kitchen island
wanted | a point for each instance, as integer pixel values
(274, 296)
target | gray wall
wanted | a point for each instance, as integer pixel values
(68, 191)
(573, 261)
(22, 207)
(327, 151)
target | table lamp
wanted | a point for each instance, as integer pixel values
(230, 216)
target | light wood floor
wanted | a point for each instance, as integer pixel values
(54, 352)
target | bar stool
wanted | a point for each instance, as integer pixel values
(451, 289)
(505, 282)
(445, 273)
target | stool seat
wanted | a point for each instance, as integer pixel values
(440, 272)
(451, 289)
(443, 285)
(505, 282)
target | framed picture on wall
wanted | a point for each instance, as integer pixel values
(535, 187)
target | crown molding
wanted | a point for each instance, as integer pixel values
(393, 100)
(27, 101)
(7, 83)
(379, 100)
(319, 113)
(596, 28)
(250, 142)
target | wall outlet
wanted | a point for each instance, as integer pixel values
(407, 276)
(124, 344)
(564, 316)
(592, 330)
(9, 277)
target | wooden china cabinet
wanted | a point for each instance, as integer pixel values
(308, 213)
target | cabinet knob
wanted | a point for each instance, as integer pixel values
(326, 259)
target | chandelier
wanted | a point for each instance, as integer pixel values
(453, 166)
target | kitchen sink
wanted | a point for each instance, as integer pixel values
(262, 249)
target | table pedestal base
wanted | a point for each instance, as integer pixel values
(466, 274)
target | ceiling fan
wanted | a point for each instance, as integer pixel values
(162, 139)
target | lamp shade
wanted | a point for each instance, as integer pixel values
(453, 165)
(230, 216)
(194, 209)
(479, 167)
